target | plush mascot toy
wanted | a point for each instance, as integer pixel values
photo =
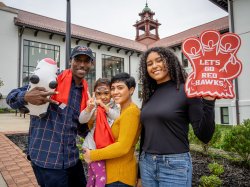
(45, 76)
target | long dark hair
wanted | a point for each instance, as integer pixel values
(176, 71)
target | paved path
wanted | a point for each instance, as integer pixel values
(14, 123)
(15, 169)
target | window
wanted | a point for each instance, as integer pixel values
(184, 61)
(111, 66)
(91, 76)
(140, 90)
(33, 52)
(224, 115)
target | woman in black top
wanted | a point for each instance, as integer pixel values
(165, 117)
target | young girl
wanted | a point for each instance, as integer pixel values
(120, 159)
(96, 170)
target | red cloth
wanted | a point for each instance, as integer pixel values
(64, 81)
(102, 135)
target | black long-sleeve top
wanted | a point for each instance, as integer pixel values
(166, 116)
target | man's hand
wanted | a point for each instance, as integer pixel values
(39, 96)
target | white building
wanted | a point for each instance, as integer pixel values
(239, 23)
(26, 38)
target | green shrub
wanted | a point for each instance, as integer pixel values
(210, 181)
(1, 83)
(214, 142)
(213, 180)
(137, 146)
(80, 141)
(216, 139)
(216, 169)
(6, 110)
(237, 140)
(192, 138)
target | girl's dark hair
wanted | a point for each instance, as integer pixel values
(175, 70)
(124, 77)
(102, 81)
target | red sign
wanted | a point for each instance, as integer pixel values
(214, 62)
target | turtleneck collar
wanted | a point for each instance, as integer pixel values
(169, 82)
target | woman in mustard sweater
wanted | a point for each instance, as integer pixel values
(120, 159)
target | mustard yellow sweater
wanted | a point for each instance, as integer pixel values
(119, 156)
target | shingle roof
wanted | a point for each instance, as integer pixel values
(221, 3)
(39, 22)
(35, 21)
(221, 24)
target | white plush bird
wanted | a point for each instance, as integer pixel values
(45, 76)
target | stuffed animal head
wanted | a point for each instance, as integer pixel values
(46, 69)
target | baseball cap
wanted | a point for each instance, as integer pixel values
(82, 50)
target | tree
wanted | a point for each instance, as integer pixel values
(1, 83)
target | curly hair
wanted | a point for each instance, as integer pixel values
(175, 70)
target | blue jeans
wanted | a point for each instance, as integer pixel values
(117, 184)
(173, 170)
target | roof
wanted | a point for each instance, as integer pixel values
(43, 23)
(7, 9)
(146, 9)
(221, 3)
(221, 24)
(35, 21)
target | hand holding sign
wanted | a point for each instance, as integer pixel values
(214, 62)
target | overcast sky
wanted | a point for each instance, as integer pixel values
(117, 17)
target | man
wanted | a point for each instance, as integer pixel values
(52, 139)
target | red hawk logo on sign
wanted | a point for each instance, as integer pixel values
(214, 62)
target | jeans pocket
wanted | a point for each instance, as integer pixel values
(177, 164)
(177, 171)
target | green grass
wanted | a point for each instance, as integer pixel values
(7, 110)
